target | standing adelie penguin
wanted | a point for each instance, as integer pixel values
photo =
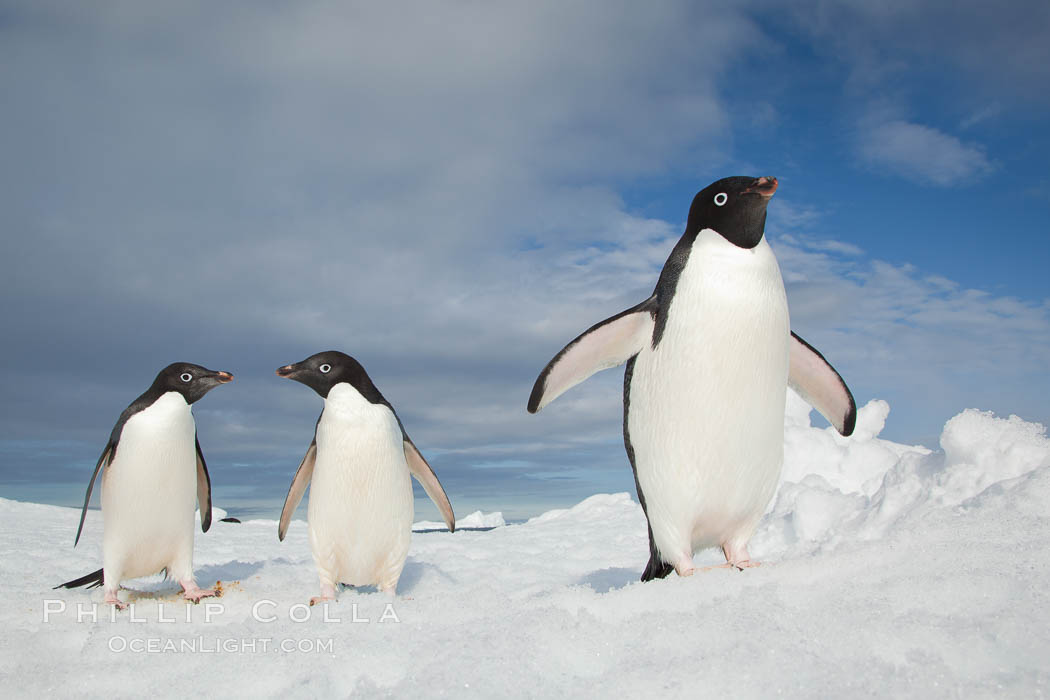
(153, 474)
(360, 509)
(709, 357)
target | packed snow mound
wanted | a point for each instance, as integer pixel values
(595, 508)
(854, 464)
(477, 519)
(836, 489)
(889, 570)
(981, 450)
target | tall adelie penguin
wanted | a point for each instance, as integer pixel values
(153, 473)
(709, 357)
(360, 509)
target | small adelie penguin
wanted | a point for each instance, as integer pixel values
(709, 357)
(360, 509)
(153, 476)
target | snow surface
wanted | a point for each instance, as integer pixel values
(890, 570)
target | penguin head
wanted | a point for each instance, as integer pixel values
(192, 381)
(324, 370)
(735, 207)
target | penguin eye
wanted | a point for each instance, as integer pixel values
(721, 198)
(186, 377)
(325, 368)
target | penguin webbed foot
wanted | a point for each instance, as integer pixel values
(112, 599)
(192, 592)
(738, 558)
(327, 594)
(196, 595)
(685, 568)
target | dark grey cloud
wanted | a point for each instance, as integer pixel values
(243, 186)
(986, 49)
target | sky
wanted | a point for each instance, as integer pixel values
(450, 192)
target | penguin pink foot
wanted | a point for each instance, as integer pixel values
(190, 591)
(738, 557)
(685, 567)
(391, 591)
(327, 594)
(112, 599)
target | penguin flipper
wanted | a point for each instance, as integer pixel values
(606, 344)
(203, 488)
(295, 492)
(103, 461)
(428, 479)
(821, 386)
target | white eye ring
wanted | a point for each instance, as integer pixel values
(325, 368)
(721, 198)
(186, 377)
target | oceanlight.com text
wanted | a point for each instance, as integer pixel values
(219, 645)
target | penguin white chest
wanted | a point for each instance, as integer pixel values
(149, 492)
(705, 410)
(360, 510)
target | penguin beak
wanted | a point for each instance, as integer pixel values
(764, 186)
(286, 371)
(223, 377)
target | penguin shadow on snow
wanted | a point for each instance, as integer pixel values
(222, 576)
(410, 577)
(613, 578)
(230, 571)
(413, 573)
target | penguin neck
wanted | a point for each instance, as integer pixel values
(165, 424)
(345, 403)
(171, 405)
(708, 241)
(349, 421)
(717, 265)
(709, 257)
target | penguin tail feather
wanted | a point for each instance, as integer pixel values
(656, 569)
(92, 580)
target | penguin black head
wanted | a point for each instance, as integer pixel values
(324, 370)
(735, 207)
(192, 381)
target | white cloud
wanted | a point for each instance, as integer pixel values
(922, 153)
(821, 244)
(981, 115)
